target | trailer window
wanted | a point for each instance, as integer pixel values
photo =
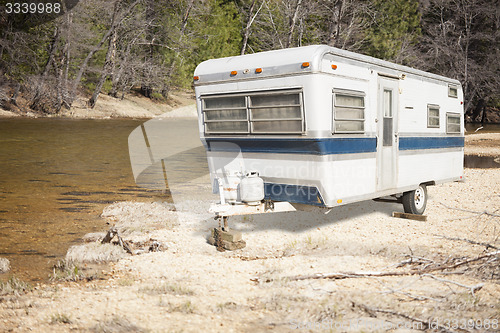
(452, 91)
(452, 123)
(225, 114)
(432, 115)
(273, 112)
(276, 113)
(349, 112)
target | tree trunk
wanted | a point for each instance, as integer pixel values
(478, 109)
(13, 98)
(146, 89)
(483, 117)
(293, 23)
(335, 27)
(107, 64)
(112, 75)
(246, 32)
(52, 51)
(67, 57)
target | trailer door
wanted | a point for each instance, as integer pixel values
(387, 137)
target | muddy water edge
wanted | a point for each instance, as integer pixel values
(56, 176)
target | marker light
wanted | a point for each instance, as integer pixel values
(258, 70)
(233, 73)
(305, 64)
(339, 201)
(196, 78)
(334, 66)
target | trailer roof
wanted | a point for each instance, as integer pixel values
(286, 61)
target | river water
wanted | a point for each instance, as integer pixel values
(56, 176)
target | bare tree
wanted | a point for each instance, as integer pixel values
(249, 21)
(118, 18)
(108, 61)
(293, 22)
(460, 37)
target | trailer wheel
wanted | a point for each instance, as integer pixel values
(414, 202)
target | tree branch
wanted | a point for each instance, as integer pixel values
(361, 274)
(468, 241)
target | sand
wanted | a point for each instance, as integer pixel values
(191, 287)
(482, 144)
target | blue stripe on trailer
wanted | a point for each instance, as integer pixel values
(326, 146)
(413, 143)
(293, 193)
(312, 146)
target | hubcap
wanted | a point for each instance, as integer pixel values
(419, 198)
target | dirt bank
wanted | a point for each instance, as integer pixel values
(132, 106)
(191, 287)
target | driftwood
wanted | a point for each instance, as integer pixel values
(472, 289)
(469, 241)
(111, 234)
(361, 274)
(425, 324)
(484, 212)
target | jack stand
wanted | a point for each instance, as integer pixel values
(225, 239)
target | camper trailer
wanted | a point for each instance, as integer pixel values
(321, 126)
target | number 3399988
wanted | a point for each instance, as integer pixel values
(32, 8)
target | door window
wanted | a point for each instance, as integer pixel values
(387, 117)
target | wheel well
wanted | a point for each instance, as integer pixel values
(431, 183)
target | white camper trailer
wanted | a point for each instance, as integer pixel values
(326, 127)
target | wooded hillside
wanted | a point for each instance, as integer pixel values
(112, 47)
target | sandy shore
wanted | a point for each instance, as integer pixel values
(132, 106)
(482, 144)
(190, 287)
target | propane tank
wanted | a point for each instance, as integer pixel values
(231, 183)
(252, 188)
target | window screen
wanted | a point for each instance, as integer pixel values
(452, 123)
(225, 114)
(452, 91)
(349, 112)
(432, 115)
(274, 112)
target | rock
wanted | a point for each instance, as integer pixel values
(4, 265)
(94, 237)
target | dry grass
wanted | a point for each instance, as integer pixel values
(170, 289)
(65, 270)
(14, 286)
(186, 307)
(117, 324)
(140, 217)
(60, 318)
(94, 253)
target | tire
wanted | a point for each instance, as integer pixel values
(414, 202)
